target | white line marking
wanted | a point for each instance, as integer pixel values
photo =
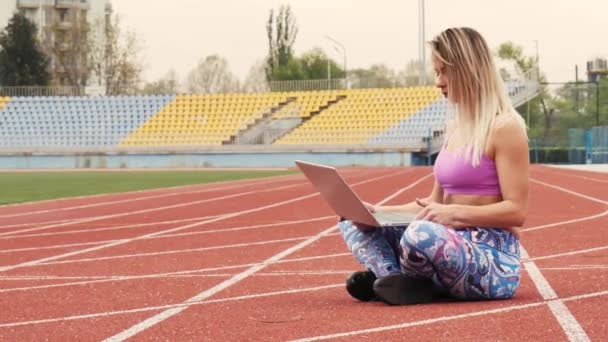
(571, 192)
(448, 318)
(234, 214)
(161, 192)
(118, 227)
(163, 275)
(294, 291)
(576, 175)
(28, 224)
(190, 250)
(159, 223)
(27, 249)
(168, 306)
(327, 217)
(260, 226)
(559, 255)
(575, 268)
(148, 210)
(273, 273)
(566, 319)
(586, 218)
(134, 330)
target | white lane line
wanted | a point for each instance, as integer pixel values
(575, 268)
(134, 330)
(559, 255)
(212, 231)
(160, 223)
(448, 318)
(148, 210)
(118, 227)
(586, 218)
(160, 192)
(343, 254)
(273, 273)
(178, 251)
(240, 228)
(234, 214)
(576, 175)
(95, 218)
(298, 291)
(566, 319)
(571, 192)
(29, 224)
(163, 275)
(28, 249)
(168, 306)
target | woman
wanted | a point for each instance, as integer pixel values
(465, 240)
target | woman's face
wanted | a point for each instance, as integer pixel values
(441, 79)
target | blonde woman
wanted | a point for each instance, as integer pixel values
(465, 241)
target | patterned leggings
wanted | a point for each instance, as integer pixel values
(472, 263)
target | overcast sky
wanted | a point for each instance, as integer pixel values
(178, 33)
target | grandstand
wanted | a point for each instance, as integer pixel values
(405, 119)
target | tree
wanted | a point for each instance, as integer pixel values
(212, 75)
(543, 103)
(314, 65)
(256, 79)
(115, 58)
(377, 75)
(281, 37)
(168, 84)
(22, 61)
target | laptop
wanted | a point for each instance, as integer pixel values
(344, 201)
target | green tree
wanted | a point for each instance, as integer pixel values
(22, 61)
(539, 111)
(281, 32)
(314, 65)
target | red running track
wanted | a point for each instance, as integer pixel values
(261, 260)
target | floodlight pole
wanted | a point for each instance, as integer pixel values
(421, 36)
(344, 55)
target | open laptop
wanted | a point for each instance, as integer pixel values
(343, 200)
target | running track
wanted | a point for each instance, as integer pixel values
(261, 260)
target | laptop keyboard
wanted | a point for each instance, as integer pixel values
(389, 217)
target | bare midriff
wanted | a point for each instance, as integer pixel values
(477, 200)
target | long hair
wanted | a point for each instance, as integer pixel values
(474, 85)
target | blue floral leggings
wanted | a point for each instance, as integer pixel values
(471, 263)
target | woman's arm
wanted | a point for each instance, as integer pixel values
(413, 207)
(512, 164)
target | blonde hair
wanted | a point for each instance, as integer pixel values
(475, 86)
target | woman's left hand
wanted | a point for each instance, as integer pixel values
(439, 213)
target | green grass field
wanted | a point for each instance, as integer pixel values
(18, 187)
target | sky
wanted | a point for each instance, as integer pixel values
(176, 34)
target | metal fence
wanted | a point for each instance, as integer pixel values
(334, 84)
(41, 91)
(588, 146)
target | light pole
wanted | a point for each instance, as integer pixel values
(421, 36)
(537, 62)
(344, 55)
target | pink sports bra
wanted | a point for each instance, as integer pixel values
(457, 176)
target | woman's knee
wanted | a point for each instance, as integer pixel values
(353, 236)
(422, 234)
